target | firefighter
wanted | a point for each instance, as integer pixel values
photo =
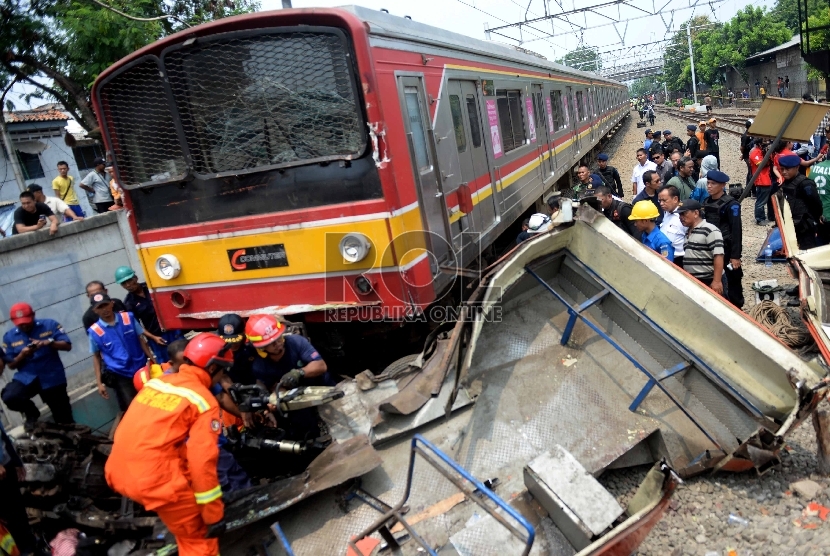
(287, 360)
(805, 204)
(725, 212)
(150, 461)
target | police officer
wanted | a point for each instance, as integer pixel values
(610, 176)
(724, 212)
(693, 144)
(232, 330)
(617, 211)
(802, 195)
(670, 143)
(32, 349)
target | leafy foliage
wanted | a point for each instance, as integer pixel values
(583, 58)
(819, 40)
(717, 46)
(61, 46)
(645, 86)
(786, 12)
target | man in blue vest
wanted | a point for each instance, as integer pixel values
(115, 339)
(31, 348)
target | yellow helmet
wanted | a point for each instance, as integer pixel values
(644, 210)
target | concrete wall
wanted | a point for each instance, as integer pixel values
(787, 62)
(51, 273)
(52, 149)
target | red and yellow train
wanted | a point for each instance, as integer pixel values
(333, 162)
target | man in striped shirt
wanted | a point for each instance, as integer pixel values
(703, 251)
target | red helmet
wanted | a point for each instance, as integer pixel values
(205, 349)
(262, 330)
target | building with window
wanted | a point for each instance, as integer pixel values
(39, 140)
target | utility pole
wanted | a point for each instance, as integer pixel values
(666, 91)
(691, 59)
(7, 141)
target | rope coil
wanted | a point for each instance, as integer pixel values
(777, 320)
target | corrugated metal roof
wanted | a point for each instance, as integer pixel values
(48, 115)
(795, 41)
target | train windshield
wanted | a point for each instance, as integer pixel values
(235, 103)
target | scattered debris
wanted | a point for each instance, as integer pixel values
(441, 507)
(806, 489)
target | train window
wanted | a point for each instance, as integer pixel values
(458, 123)
(472, 115)
(509, 105)
(577, 106)
(556, 107)
(416, 126)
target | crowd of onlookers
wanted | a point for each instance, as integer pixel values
(38, 210)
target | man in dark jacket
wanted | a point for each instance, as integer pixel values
(805, 204)
(693, 144)
(610, 176)
(724, 212)
(617, 211)
(712, 138)
(670, 143)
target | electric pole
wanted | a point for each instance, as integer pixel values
(691, 59)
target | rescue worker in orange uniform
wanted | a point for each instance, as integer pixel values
(165, 450)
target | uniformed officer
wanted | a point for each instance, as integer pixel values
(115, 340)
(232, 330)
(610, 175)
(645, 214)
(724, 212)
(585, 184)
(32, 349)
(805, 203)
(617, 211)
(138, 302)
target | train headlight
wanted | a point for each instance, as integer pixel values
(168, 267)
(354, 247)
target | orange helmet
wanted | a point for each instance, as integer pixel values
(206, 349)
(262, 330)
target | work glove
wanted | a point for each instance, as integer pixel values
(291, 379)
(216, 529)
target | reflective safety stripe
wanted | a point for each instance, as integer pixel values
(7, 544)
(209, 495)
(185, 393)
(125, 318)
(97, 329)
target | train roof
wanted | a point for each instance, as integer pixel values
(382, 24)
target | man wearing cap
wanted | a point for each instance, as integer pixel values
(96, 182)
(805, 203)
(617, 211)
(232, 330)
(610, 176)
(711, 138)
(723, 211)
(57, 206)
(31, 348)
(693, 144)
(652, 182)
(115, 341)
(645, 216)
(96, 286)
(656, 146)
(138, 302)
(703, 249)
(31, 216)
(670, 143)
(643, 165)
(649, 139)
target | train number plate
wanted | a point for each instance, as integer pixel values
(253, 258)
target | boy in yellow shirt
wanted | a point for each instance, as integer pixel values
(64, 188)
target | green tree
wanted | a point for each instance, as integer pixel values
(676, 66)
(583, 58)
(819, 40)
(61, 46)
(645, 86)
(786, 12)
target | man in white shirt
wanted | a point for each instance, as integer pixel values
(643, 165)
(672, 228)
(97, 183)
(58, 207)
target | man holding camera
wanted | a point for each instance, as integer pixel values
(31, 348)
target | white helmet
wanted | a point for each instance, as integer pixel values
(538, 223)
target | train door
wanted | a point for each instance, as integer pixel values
(423, 156)
(575, 122)
(544, 136)
(561, 128)
(465, 103)
(592, 111)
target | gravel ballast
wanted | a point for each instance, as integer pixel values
(770, 517)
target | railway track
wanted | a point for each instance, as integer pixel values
(730, 124)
